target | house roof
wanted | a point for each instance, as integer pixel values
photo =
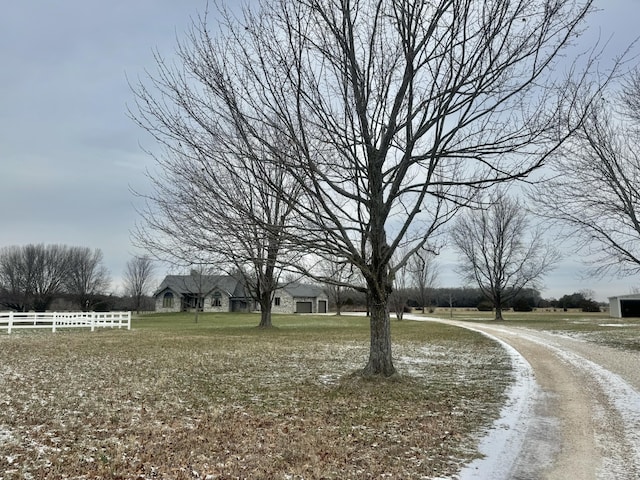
(233, 287)
(630, 296)
(303, 290)
(185, 284)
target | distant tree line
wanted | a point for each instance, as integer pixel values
(467, 297)
(32, 276)
(107, 302)
(581, 300)
(43, 277)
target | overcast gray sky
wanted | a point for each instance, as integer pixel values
(68, 151)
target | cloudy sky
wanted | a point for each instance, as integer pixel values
(68, 152)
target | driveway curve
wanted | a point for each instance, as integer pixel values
(581, 417)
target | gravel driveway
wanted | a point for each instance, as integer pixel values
(582, 418)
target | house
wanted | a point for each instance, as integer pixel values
(300, 298)
(225, 293)
(624, 306)
(209, 293)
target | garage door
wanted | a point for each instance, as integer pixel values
(303, 307)
(322, 306)
(630, 308)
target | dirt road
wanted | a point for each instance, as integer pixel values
(579, 418)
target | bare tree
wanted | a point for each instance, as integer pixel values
(87, 276)
(387, 115)
(424, 275)
(502, 254)
(137, 278)
(400, 294)
(33, 275)
(594, 189)
(341, 277)
(52, 264)
(218, 192)
(195, 285)
(629, 97)
(14, 279)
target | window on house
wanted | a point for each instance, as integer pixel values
(167, 300)
(276, 301)
(216, 301)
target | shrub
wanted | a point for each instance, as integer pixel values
(590, 306)
(485, 306)
(522, 305)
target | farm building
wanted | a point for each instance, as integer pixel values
(224, 293)
(625, 306)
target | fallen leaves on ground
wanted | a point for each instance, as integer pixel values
(146, 405)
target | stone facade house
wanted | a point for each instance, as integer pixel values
(225, 293)
(300, 298)
(209, 293)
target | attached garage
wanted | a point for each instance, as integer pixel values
(322, 306)
(624, 306)
(301, 298)
(304, 307)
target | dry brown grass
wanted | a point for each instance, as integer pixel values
(222, 400)
(620, 333)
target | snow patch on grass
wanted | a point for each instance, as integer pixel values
(618, 325)
(5, 435)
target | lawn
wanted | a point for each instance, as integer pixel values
(222, 399)
(621, 333)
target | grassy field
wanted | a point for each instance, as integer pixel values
(221, 399)
(623, 333)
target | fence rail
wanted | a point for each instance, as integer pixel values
(54, 320)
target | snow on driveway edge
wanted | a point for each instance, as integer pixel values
(626, 400)
(503, 442)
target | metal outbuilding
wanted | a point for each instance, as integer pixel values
(625, 306)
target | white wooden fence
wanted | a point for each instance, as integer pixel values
(54, 320)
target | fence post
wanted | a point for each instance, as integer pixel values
(93, 321)
(10, 321)
(53, 322)
(128, 320)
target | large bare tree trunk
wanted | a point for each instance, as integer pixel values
(380, 359)
(265, 310)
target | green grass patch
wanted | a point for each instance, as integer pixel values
(222, 398)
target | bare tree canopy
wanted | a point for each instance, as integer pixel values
(195, 285)
(424, 273)
(220, 197)
(87, 277)
(594, 189)
(385, 116)
(341, 277)
(33, 275)
(501, 253)
(138, 277)
(400, 293)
